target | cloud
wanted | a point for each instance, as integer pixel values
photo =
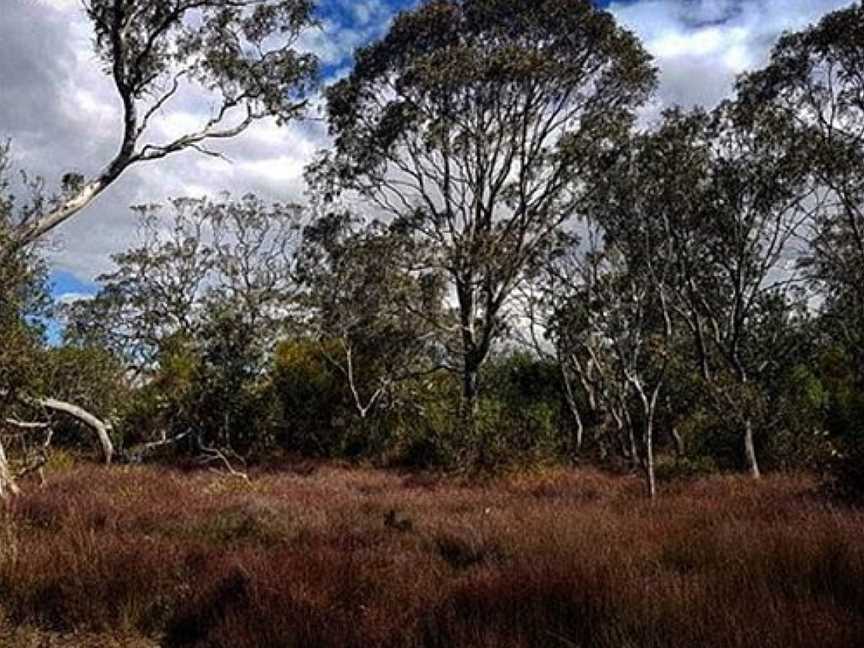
(65, 299)
(62, 112)
(701, 46)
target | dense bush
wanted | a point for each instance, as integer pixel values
(88, 377)
(312, 399)
(844, 417)
(163, 404)
(418, 424)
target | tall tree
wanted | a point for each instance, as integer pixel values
(728, 198)
(814, 87)
(241, 52)
(471, 124)
(22, 294)
(367, 306)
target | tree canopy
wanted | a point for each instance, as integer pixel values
(472, 124)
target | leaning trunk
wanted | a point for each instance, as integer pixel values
(68, 207)
(101, 428)
(680, 447)
(750, 449)
(620, 436)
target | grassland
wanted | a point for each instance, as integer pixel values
(314, 555)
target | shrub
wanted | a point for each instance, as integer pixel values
(314, 416)
(844, 418)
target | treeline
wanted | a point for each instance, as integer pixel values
(496, 264)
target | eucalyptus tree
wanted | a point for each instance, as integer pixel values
(610, 319)
(237, 253)
(374, 320)
(813, 86)
(217, 281)
(155, 290)
(241, 53)
(729, 198)
(757, 203)
(25, 304)
(22, 294)
(471, 124)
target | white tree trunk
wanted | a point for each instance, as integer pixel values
(573, 408)
(750, 449)
(102, 429)
(650, 475)
(7, 482)
(32, 232)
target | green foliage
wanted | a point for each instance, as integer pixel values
(844, 418)
(164, 403)
(205, 389)
(226, 47)
(517, 422)
(311, 397)
(426, 433)
(519, 416)
(89, 377)
(24, 298)
(508, 433)
(229, 393)
(797, 436)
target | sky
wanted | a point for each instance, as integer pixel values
(62, 114)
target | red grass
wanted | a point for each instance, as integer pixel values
(341, 557)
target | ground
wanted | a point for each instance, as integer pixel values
(312, 554)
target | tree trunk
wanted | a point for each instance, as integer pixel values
(470, 405)
(634, 449)
(620, 435)
(651, 481)
(573, 408)
(750, 449)
(101, 428)
(680, 448)
(7, 482)
(749, 443)
(63, 212)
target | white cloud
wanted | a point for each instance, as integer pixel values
(701, 46)
(57, 5)
(281, 170)
(72, 297)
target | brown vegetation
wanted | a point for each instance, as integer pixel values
(330, 556)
